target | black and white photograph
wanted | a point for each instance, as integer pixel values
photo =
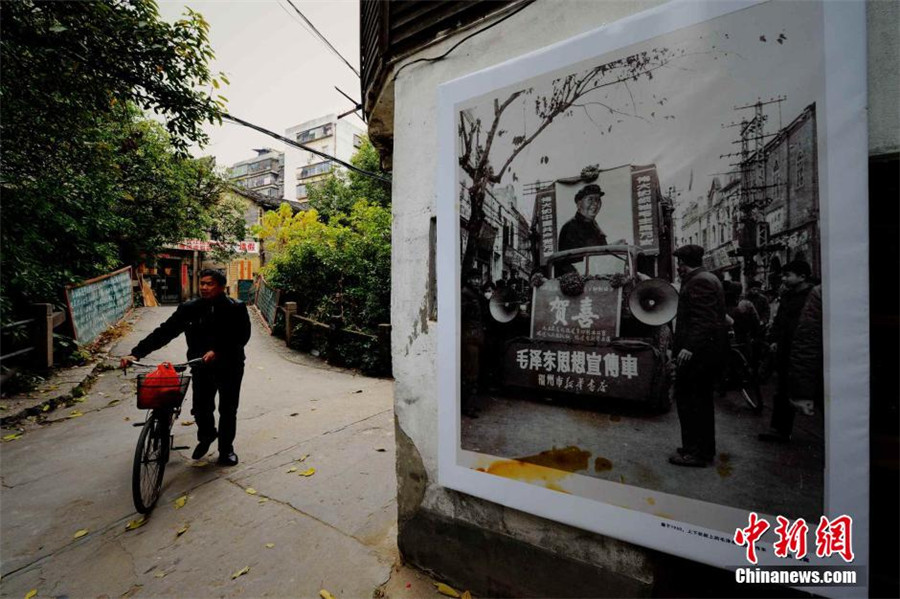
(641, 272)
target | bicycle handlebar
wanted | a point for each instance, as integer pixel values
(182, 365)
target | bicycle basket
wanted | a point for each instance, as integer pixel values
(161, 392)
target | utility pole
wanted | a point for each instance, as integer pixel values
(754, 193)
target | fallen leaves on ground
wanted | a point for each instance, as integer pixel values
(179, 503)
(270, 545)
(303, 458)
(30, 593)
(182, 530)
(467, 595)
(160, 574)
(250, 491)
(262, 500)
(199, 464)
(240, 572)
(325, 594)
(309, 472)
(136, 523)
(80, 533)
(443, 589)
(79, 399)
(113, 402)
(292, 469)
(46, 408)
(12, 437)
(75, 414)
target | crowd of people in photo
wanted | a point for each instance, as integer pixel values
(782, 332)
(774, 331)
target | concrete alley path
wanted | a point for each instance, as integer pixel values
(334, 530)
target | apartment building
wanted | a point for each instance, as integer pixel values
(263, 174)
(338, 138)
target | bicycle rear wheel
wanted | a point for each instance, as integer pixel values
(746, 380)
(150, 457)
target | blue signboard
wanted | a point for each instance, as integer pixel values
(97, 304)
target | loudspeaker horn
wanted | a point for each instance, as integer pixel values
(654, 302)
(504, 306)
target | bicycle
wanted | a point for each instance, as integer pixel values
(741, 374)
(162, 397)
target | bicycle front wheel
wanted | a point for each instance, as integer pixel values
(150, 457)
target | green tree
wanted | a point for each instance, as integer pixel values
(335, 270)
(339, 191)
(87, 183)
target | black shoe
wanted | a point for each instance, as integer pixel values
(687, 459)
(774, 436)
(202, 449)
(227, 459)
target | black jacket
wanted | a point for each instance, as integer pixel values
(787, 317)
(578, 232)
(221, 325)
(806, 349)
(700, 324)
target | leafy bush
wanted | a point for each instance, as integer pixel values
(338, 271)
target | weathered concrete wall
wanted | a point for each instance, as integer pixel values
(883, 20)
(461, 537)
(464, 539)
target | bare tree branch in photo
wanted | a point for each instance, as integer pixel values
(475, 158)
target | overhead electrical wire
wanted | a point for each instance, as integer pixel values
(325, 41)
(296, 144)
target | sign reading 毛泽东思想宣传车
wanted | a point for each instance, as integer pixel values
(97, 304)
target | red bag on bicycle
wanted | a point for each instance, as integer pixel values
(164, 387)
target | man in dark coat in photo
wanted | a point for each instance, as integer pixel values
(797, 287)
(582, 229)
(216, 328)
(699, 347)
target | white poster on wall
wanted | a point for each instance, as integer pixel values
(567, 178)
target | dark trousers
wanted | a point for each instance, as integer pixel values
(694, 383)
(207, 381)
(782, 410)
(471, 367)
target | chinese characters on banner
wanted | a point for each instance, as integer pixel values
(544, 221)
(832, 537)
(645, 189)
(591, 318)
(202, 245)
(605, 371)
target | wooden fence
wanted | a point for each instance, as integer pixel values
(312, 336)
(39, 349)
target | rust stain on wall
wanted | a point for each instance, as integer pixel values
(530, 473)
(724, 468)
(602, 464)
(570, 459)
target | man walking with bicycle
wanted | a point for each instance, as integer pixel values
(217, 328)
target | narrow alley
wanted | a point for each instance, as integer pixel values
(284, 534)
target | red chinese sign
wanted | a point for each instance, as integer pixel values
(832, 537)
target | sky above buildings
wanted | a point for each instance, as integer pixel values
(280, 73)
(678, 120)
